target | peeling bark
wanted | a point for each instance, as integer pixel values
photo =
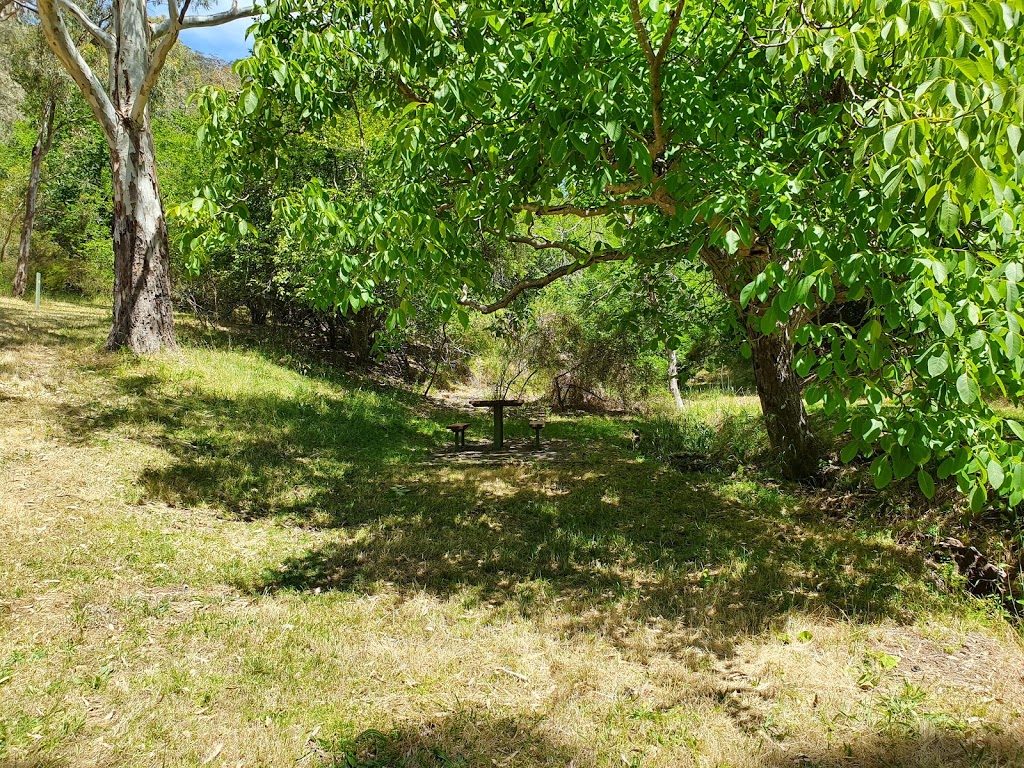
(143, 317)
(44, 140)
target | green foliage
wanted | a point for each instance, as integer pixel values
(809, 153)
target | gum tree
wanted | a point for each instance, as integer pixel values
(808, 153)
(47, 98)
(135, 48)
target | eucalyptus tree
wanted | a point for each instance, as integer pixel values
(47, 98)
(808, 152)
(135, 48)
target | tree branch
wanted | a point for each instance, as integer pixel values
(178, 22)
(56, 33)
(407, 92)
(167, 34)
(583, 261)
(654, 62)
(541, 243)
(94, 29)
(588, 212)
(641, 32)
(539, 282)
(673, 25)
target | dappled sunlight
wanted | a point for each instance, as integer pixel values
(293, 566)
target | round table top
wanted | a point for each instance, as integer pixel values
(493, 403)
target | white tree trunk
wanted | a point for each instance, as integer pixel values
(673, 379)
(143, 318)
(136, 51)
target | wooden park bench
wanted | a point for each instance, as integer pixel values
(459, 430)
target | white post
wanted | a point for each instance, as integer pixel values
(39, 287)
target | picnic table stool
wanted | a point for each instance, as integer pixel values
(536, 425)
(459, 431)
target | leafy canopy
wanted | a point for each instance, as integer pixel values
(810, 153)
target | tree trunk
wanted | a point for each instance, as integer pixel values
(42, 146)
(781, 394)
(673, 379)
(143, 318)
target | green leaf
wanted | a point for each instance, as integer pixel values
(937, 365)
(849, 451)
(1013, 135)
(926, 483)
(902, 464)
(250, 101)
(1016, 428)
(967, 388)
(890, 137)
(978, 498)
(995, 474)
(746, 292)
(947, 321)
(949, 216)
(881, 471)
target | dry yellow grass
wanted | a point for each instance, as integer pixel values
(214, 560)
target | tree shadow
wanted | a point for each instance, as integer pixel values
(462, 739)
(598, 541)
(613, 546)
(63, 324)
(472, 737)
(258, 454)
(933, 747)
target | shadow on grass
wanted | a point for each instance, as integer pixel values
(599, 542)
(612, 545)
(463, 739)
(54, 325)
(607, 541)
(474, 738)
(936, 748)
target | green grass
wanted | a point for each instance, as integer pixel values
(239, 556)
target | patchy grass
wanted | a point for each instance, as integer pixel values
(229, 558)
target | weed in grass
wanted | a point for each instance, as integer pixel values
(902, 711)
(874, 667)
(374, 749)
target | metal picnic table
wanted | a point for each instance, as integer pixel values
(498, 406)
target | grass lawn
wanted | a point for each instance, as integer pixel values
(229, 558)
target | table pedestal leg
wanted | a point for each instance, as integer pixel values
(499, 426)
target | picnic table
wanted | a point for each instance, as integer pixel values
(498, 406)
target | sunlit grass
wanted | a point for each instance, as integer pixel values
(237, 556)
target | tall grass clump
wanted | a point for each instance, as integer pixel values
(716, 431)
